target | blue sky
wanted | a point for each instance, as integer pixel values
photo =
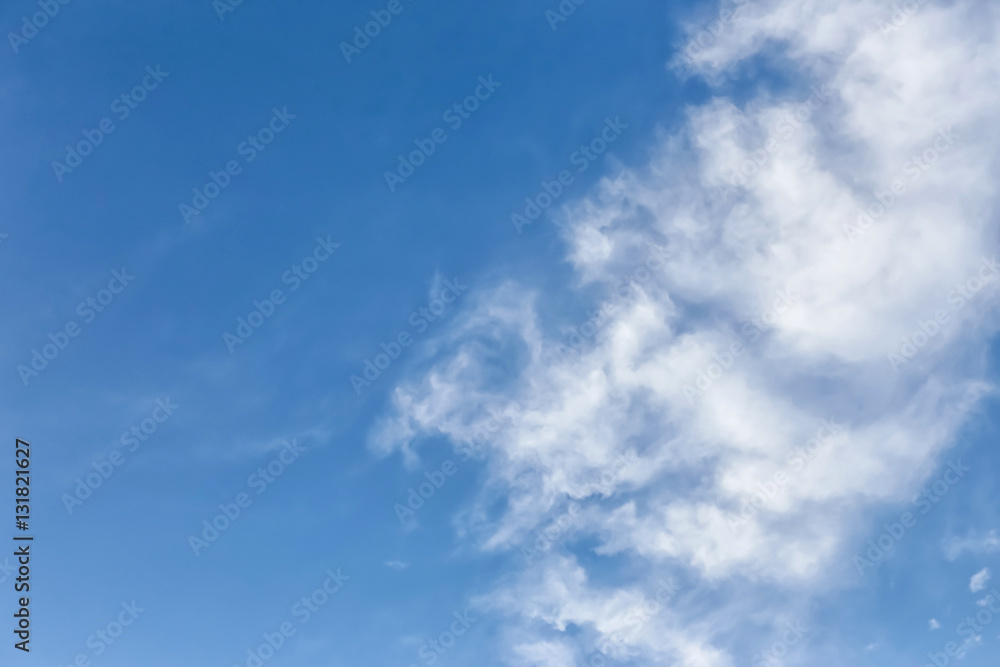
(488, 399)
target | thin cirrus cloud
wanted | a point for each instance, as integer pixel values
(865, 197)
(973, 543)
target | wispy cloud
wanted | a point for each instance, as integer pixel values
(826, 356)
(973, 543)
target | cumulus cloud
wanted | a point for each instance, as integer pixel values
(979, 580)
(823, 256)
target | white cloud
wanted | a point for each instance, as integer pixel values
(972, 543)
(979, 580)
(544, 654)
(824, 357)
(934, 625)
